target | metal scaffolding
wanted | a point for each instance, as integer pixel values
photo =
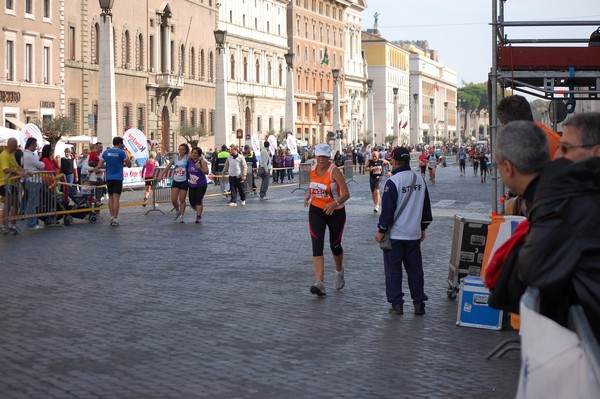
(552, 69)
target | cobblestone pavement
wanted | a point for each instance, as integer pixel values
(156, 309)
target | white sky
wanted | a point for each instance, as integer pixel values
(460, 29)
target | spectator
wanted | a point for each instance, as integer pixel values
(33, 183)
(264, 170)
(114, 158)
(289, 165)
(252, 165)
(581, 137)
(148, 174)
(82, 165)
(68, 168)
(406, 233)
(237, 168)
(327, 194)
(8, 190)
(218, 166)
(561, 252)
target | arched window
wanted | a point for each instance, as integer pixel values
(269, 74)
(211, 66)
(245, 69)
(140, 52)
(192, 63)
(95, 43)
(280, 75)
(257, 70)
(182, 60)
(232, 66)
(202, 65)
(115, 47)
(126, 50)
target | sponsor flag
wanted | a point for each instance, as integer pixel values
(436, 87)
(31, 130)
(405, 124)
(136, 143)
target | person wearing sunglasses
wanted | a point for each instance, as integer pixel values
(560, 254)
(581, 137)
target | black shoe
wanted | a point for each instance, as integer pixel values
(397, 309)
(420, 308)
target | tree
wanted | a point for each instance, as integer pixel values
(365, 138)
(53, 129)
(190, 133)
(539, 107)
(281, 136)
(390, 140)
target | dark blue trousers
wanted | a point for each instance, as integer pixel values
(407, 253)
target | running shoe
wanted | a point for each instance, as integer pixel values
(144, 204)
(339, 280)
(176, 218)
(376, 209)
(318, 289)
(232, 204)
(265, 198)
(114, 223)
(420, 308)
(198, 218)
(36, 227)
(243, 203)
(396, 309)
(181, 219)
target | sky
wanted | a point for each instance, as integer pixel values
(460, 29)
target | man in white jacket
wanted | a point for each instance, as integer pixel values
(237, 168)
(264, 170)
(33, 183)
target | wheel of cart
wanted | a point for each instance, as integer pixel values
(68, 220)
(452, 292)
(93, 218)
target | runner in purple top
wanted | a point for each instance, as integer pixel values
(197, 169)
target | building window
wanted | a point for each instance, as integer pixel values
(46, 8)
(202, 65)
(140, 117)
(211, 122)
(29, 62)
(245, 69)
(193, 63)
(95, 39)
(140, 52)
(232, 66)
(183, 116)
(72, 109)
(211, 67)
(126, 50)
(127, 117)
(280, 75)
(203, 118)
(151, 53)
(95, 113)
(257, 71)
(181, 60)
(194, 117)
(10, 60)
(28, 6)
(72, 43)
(270, 74)
(173, 59)
(270, 123)
(10, 4)
(259, 124)
(46, 65)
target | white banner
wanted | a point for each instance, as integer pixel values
(291, 144)
(273, 142)
(31, 130)
(136, 143)
(255, 143)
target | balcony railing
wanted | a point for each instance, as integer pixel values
(169, 81)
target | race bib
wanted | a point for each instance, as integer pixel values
(377, 170)
(319, 190)
(179, 172)
(193, 180)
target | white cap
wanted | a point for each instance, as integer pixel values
(322, 150)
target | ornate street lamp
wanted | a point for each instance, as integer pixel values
(432, 132)
(370, 111)
(416, 136)
(336, 110)
(395, 115)
(221, 134)
(106, 7)
(446, 120)
(220, 36)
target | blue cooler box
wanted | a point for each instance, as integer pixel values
(473, 310)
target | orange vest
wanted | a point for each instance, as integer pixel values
(553, 138)
(323, 189)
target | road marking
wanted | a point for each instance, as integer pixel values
(443, 204)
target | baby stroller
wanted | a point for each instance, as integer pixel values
(84, 201)
(51, 201)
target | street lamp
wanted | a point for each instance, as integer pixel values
(432, 132)
(458, 121)
(336, 110)
(107, 109)
(289, 92)
(221, 136)
(370, 114)
(395, 116)
(446, 120)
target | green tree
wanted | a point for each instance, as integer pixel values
(538, 108)
(191, 134)
(390, 140)
(366, 138)
(53, 129)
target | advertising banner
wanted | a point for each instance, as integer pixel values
(291, 144)
(31, 130)
(136, 143)
(273, 142)
(255, 143)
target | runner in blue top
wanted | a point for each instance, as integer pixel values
(462, 160)
(114, 158)
(197, 169)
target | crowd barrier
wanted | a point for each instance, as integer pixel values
(348, 171)
(555, 361)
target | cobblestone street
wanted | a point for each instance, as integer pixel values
(156, 309)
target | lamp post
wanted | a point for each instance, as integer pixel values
(336, 110)
(416, 138)
(431, 128)
(289, 93)
(446, 121)
(221, 135)
(107, 108)
(458, 121)
(370, 116)
(395, 116)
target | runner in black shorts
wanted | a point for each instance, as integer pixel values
(375, 168)
(114, 186)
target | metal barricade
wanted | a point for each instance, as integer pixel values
(161, 188)
(349, 171)
(303, 175)
(250, 179)
(13, 196)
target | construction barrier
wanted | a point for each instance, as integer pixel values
(348, 171)
(303, 175)
(161, 188)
